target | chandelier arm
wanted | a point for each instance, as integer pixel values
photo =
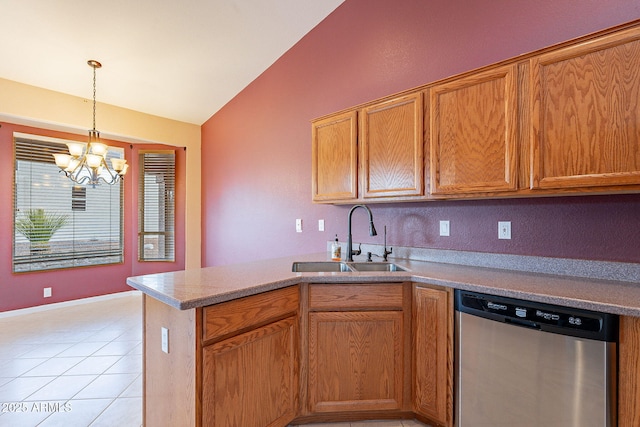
(115, 180)
(81, 181)
(112, 172)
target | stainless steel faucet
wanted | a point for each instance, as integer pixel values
(372, 232)
(386, 252)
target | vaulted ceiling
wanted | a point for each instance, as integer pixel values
(176, 59)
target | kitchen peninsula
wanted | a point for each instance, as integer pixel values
(256, 344)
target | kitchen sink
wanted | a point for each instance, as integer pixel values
(376, 266)
(344, 267)
(320, 267)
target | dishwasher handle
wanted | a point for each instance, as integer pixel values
(524, 323)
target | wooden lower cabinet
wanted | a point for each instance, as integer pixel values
(251, 380)
(306, 353)
(433, 354)
(355, 361)
(250, 360)
(233, 364)
(320, 352)
(629, 372)
(358, 361)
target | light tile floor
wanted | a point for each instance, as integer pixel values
(73, 366)
(81, 366)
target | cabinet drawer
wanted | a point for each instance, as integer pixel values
(234, 316)
(375, 296)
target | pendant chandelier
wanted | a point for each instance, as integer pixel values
(87, 163)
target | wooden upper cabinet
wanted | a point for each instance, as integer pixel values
(562, 120)
(473, 133)
(335, 158)
(586, 114)
(391, 148)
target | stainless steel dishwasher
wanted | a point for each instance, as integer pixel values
(525, 364)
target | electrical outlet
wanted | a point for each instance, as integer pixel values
(444, 228)
(504, 230)
(321, 225)
(165, 339)
(47, 292)
(298, 225)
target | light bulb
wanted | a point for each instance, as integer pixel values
(75, 148)
(99, 148)
(93, 161)
(62, 160)
(124, 170)
(118, 164)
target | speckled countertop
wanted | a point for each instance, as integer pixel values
(205, 286)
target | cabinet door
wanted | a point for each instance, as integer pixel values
(335, 158)
(473, 133)
(392, 159)
(251, 380)
(433, 354)
(586, 114)
(355, 361)
(629, 372)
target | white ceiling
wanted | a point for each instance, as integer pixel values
(176, 59)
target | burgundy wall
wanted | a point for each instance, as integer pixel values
(26, 289)
(257, 149)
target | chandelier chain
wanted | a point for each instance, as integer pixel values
(94, 98)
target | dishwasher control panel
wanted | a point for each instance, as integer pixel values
(547, 317)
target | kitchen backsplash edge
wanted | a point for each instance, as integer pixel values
(590, 269)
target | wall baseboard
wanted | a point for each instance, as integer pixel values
(55, 305)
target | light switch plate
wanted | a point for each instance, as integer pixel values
(165, 339)
(298, 225)
(504, 230)
(444, 228)
(321, 225)
(47, 292)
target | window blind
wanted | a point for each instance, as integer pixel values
(156, 198)
(57, 223)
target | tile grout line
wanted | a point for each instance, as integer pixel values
(125, 345)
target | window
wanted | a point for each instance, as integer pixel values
(79, 198)
(156, 197)
(58, 224)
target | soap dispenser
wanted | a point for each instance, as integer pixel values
(336, 250)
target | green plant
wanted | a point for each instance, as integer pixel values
(39, 226)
